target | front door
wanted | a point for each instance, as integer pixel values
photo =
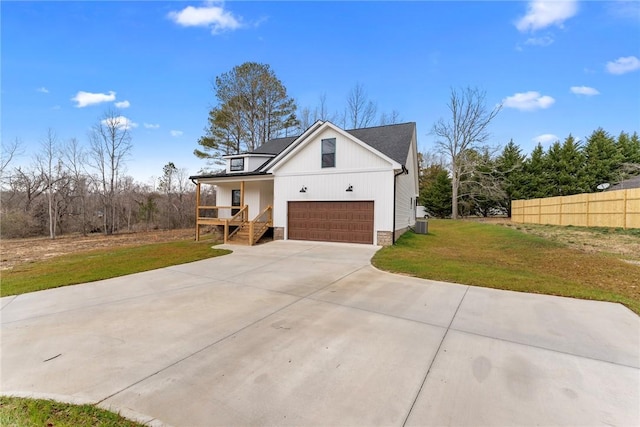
(235, 201)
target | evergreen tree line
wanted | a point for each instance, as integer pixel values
(497, 177)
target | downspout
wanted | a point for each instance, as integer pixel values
(395, 185)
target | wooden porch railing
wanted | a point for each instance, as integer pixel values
(241, 217)
(257, 227)
(213, 208)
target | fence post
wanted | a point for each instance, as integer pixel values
(588, 210)
(539, 211)
(197, 212)
(624, 209)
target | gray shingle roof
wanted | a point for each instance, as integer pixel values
(626, 184)
(391, 140)
(275, 146)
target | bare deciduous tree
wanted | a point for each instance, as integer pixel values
(390, 118)
(322, 112)
(75, 159)
(29, 183)
(49, 164)
(481, 187)
(466, 129)
(307, 117)
(361, 111)
(9, 151)
(110, 144)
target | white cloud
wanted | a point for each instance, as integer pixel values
(120, 122)
(84, 99)
(539, 41)
(176, 133)
(545, 139)
(544, 13)
(212, 15)
(150, 126)
(528, 101)
(626, 9)
(622, 65)
(123, 104)
(584, 90)
(42, 90)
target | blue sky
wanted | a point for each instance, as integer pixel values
(558, 67)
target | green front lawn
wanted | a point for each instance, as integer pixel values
(494, 256)
(20, 412)
(101, 264)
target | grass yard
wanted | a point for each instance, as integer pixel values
(89, 266)
(20, 412)
(495, 256)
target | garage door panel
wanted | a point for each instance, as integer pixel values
(331, 221)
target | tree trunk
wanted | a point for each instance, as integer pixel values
(83, 206)
(454, 197)
(52, 231)
(455, 188)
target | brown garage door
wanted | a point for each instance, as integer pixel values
(350, 222)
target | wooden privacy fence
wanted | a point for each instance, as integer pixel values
(620, 209)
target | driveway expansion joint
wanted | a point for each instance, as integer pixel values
(539, 347)
(10, 301)
(435, 356)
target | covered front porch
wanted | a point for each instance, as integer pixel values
(243, 210)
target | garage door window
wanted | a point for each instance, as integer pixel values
(329, 153)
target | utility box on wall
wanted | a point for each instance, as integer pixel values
(422, 226)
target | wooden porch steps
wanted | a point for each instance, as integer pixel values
(241, 236)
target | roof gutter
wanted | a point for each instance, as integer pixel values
(404, 170)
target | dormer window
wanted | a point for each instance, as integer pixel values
(329, 153)
(237, 164)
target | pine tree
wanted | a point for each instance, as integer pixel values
(535, 181)
(510, 166)
(629, 149)
(603, 159)
(253, 108)
(435, 190)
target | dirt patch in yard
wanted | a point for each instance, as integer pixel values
(18, 251)
(623, 244)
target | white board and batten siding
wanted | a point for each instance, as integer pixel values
(407, 191)
(254, 161)
(370, 175)
(257, 194)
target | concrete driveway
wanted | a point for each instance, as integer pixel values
(299, 333)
